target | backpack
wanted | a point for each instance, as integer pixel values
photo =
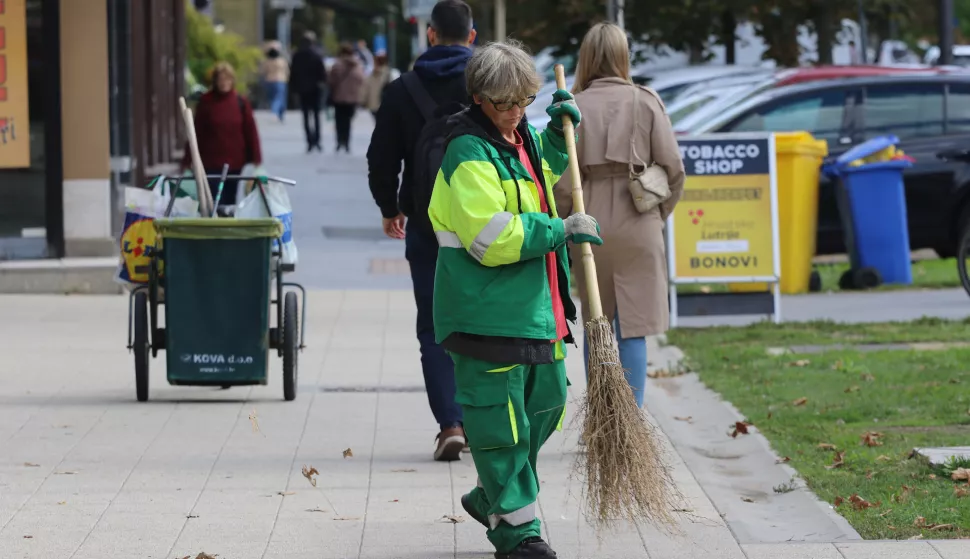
(429, 150)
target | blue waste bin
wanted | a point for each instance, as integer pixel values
(873, 206)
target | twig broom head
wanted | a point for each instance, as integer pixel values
(626, 474)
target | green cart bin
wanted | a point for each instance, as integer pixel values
(216, 279)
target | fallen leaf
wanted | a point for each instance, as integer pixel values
(800, 363)
(960, 492)
(904, 496)
(309, 472)
(932, 476)
(869, 474)
(740, 428)
(253, 421)
(192, 516)
(784, 460)
(885, 513)
(28, 537)
(941, 527)
(664, 373)
(31, 465)
(346, 518)
(348, 453)
(285, 493)
(883, 458)
(838, 501)
(868, 377)
(65, 473)
(858, 503)
(826, 446)
(453, 519)
(394, 501)
(688, 419)
(800, 402)
(316, 510)
(62, 502)
(961, 474)
(954, 381)
(916, 537)
(852, 388)
(205, 555)
(747, 500)
(871, 438)
(837, 462)
(404, 470)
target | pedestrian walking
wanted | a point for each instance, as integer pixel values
(276, 74)
(226, 133)
(308, 76)
(626, 129)
(501, 295)
(373, 91)
(346, 80)
(440, 73)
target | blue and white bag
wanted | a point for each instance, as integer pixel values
(279, 204)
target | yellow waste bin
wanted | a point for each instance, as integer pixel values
(798, 157)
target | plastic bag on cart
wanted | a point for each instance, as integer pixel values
(279, 207)
(138, 241)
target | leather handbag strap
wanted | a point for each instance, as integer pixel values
(633, 136)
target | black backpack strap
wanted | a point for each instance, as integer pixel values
(421, 97)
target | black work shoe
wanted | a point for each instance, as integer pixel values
(466, 503)
(529, 548)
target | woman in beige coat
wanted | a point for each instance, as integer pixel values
(631, 264)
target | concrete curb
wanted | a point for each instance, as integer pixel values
(69, 276)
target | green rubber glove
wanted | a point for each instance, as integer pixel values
(582, 228)
(562, 104)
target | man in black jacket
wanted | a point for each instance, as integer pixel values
(307, 76)
(441, 70)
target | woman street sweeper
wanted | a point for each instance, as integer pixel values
(501, 296)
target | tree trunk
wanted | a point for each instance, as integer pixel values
(729, 26)
(696, 54)
(824, 33)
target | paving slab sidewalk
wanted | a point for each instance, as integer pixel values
(87, 472)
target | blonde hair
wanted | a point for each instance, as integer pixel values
(502, 72)
(219, 69)
(604, 53)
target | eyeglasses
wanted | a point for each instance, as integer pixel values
(503, 106)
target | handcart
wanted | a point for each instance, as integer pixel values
(219, 280)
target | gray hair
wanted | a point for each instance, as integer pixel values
(503, 72)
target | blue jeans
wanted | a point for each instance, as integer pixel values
(276, 93)
(421, 251)
(633, 358)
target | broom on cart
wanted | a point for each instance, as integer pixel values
(626, 475)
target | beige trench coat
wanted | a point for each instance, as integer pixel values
(631, 265)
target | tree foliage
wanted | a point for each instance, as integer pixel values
(207, 46)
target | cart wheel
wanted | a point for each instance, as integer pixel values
(141, 346)
(291, 342)
(847, 281)
(867, 278)
(814, 282)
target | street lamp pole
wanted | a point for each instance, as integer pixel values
(863, 35)
(500, 35)
(946, 32)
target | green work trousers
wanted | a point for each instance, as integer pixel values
(509, 413)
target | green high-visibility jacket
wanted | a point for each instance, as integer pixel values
(491, 294)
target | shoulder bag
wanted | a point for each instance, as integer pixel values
(648, 187)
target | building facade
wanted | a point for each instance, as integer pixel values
(88, 105)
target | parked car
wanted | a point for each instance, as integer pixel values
(702, 115)
(929, 113)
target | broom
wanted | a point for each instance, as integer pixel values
(206, 204)
(626, 476)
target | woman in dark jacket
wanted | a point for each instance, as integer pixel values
(226, 131)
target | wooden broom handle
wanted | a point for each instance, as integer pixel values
(201, 181)
(589, 266)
